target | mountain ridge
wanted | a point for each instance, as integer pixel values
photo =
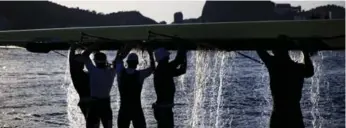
(46, 14)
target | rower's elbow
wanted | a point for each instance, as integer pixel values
(183, 71)
(152, 68)
(309, 74)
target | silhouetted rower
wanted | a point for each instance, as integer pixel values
(286, 83)
(80, 79)
(130, 84)
(101, 78)
(164, 85)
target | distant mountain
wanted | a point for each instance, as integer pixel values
(226, 11)
(223, 11)
(337, 12)
(44, 14)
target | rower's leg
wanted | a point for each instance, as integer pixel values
(139, 119)
(93, 119)
(164, 117)
(170, 118)
(84, 108)
(106, 114)
(123, 118)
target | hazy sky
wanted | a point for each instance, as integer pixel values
(163, 10)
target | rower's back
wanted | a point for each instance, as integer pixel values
(164, 83)
(130, 89)
(79, 77)
(286, 84)
(130, 84)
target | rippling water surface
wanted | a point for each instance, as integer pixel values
(219, 90)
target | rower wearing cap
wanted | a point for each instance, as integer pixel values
(164, 85)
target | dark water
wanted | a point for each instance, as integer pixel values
(219, 90)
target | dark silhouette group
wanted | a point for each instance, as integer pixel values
(93, 87)
(95, 98)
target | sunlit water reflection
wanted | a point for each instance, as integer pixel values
(220, 89)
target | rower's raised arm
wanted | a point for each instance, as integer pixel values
(90, 49)
(72, 52)
(179, 58)
(308, 66)
(86, 53)
(148, 71)
(182, 68)
(151, 57)
(264, 55)
(122, 53)
(118, 60)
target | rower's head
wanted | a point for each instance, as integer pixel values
(78, 65)
(161, 55)
(284, 54)
(100, 60)
(285, 43)
(132, 60)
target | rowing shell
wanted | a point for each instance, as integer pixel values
(313, 34)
